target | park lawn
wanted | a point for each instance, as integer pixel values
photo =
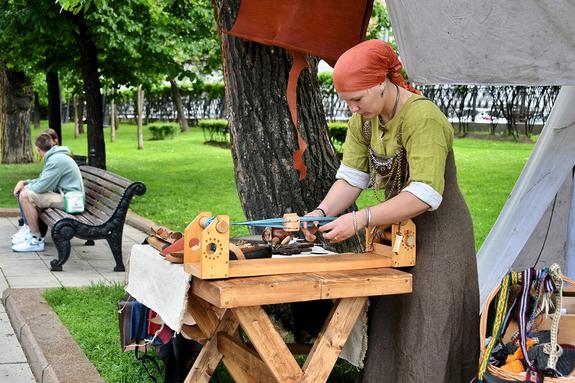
(184, 176)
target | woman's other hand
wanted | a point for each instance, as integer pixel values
(339, 230)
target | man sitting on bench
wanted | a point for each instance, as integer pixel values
(60, 175)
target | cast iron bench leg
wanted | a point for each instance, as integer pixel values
(63, 246)
(115, 242)
(62, 233)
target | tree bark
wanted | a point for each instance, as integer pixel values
(140, 106)
(182, 120)
(113, 120)
(36, 113)
(16, 97)
(94, 107)
(81, 101)
(76, 116)
(262, 134)
(54, 105)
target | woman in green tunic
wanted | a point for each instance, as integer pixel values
(400, 142)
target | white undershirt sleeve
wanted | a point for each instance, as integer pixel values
(425, 193)
(352, 176)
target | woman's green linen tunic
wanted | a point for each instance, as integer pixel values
(425, 132)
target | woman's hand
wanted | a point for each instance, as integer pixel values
(309, 233)
(339, 230)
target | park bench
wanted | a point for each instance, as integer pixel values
(108, 197)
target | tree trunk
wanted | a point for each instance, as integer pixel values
(54, 105)
(36, 113)
(182, 120)
(113, 120)
(94, 107)
(81, 113)
(16, 95)
(77, 116)
(140, 106)
(263, 140)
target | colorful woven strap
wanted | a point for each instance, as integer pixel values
(501, 311)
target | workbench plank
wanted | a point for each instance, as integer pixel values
(269, 344)
(256, 291)
(331, 339)
(247, 365)
(273, 289)
(368, 282)
(273, 266)
(209, 356)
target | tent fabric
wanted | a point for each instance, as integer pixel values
(550, 164)
(570, 245)
(528, 42)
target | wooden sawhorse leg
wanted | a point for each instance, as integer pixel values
(273, 361)
(275, 354)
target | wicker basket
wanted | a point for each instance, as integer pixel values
(498, 372)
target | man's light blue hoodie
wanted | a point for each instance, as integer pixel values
(60, 173)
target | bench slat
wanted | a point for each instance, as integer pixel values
(96, 212)
(99, 206)
(58, 214)
(103, 184)
(100, 191)
(111, 177)
(111, 203)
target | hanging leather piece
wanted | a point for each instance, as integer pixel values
(322, 28)
(299, 63)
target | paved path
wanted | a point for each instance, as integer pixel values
(86, 265)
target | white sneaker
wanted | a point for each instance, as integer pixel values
(20, 236)
(29, 245)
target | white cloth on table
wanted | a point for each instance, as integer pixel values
(158, 284)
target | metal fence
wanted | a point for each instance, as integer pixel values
(514, 109)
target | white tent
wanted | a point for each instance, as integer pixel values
(529, 42)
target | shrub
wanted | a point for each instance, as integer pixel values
(337, 132)
(160, 132)
(215, 131)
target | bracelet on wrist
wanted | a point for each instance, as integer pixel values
(320, 210)
(355, 227)
(368, 216)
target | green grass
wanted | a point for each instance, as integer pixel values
(91, 316)
(184, 176)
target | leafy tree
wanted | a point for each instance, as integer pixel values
(140, 42)
(379, 24)
(34, 40)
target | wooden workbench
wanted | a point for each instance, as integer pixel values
(221, 306)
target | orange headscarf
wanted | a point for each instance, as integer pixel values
(366, 65)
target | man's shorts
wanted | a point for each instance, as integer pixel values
(46, 200)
